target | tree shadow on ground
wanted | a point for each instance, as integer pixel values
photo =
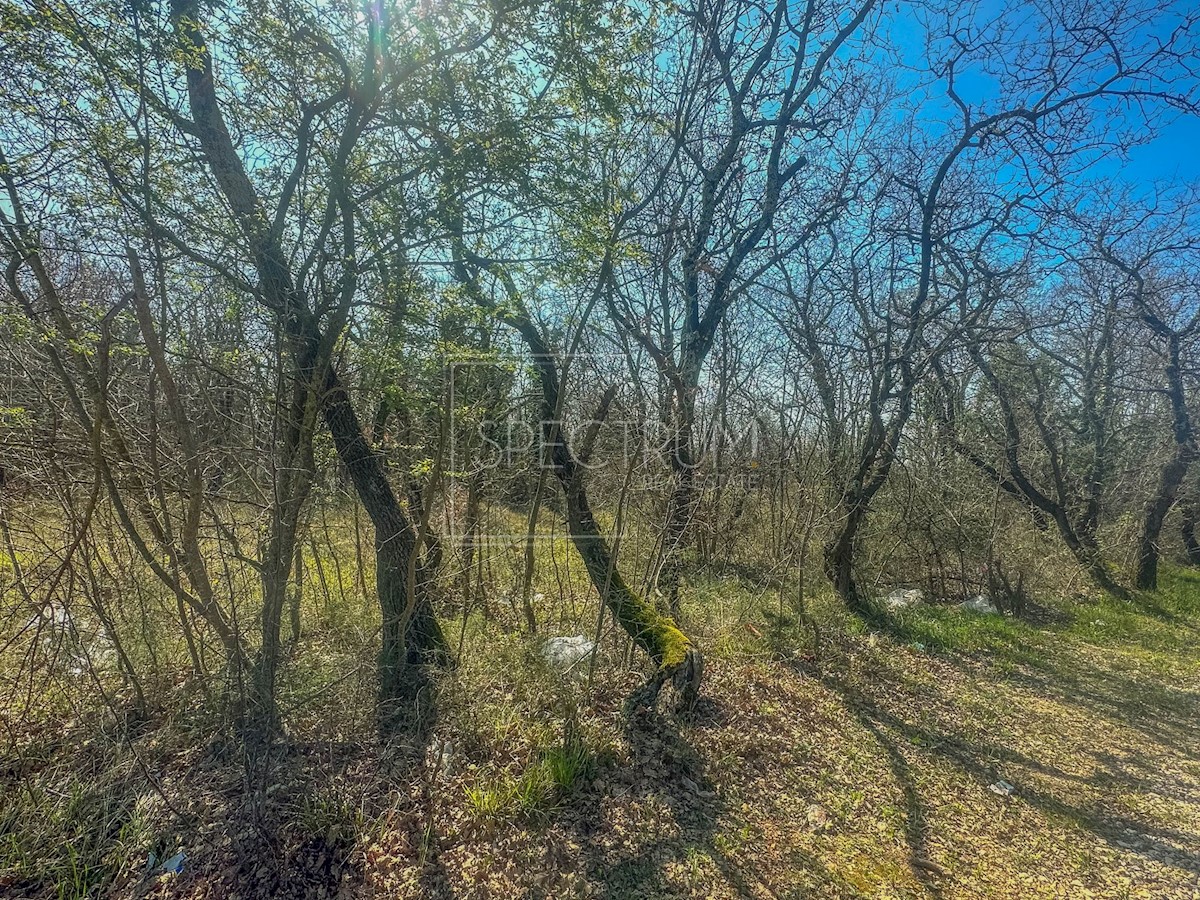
(1158, 711)
(916, 819)
(318, 867)
(978, 760)
(663, 770)
(1156, 708)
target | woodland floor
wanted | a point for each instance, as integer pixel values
(862, 770)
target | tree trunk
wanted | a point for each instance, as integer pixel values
(673, 654)
(470, 538)
(1187, 529)
(1176, 469)
(412, 638)
(275, 583)
(297, 598)
(1087, 553)
(839, 561)
(680, 507)
(1156, 513)
(675, 657)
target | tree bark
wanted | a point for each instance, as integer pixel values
(681, 507)
(1156, 513)
(297, 598)
(1174, 472)
(1187, 529)
(412, 638)
(406, 613)
(839, 560)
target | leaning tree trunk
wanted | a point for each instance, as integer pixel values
(675, 657)
(412, 638)
(1084, 547)
(411, 635)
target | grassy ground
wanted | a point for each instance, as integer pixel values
(856, 767)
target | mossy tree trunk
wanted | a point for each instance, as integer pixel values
(675, 657)
(673, 654)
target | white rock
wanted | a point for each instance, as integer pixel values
(980, 604)
(564, 652)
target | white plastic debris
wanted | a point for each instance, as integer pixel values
(173, 865)
(980, 603)
(1002, 788)
(76, 643)
(51, 618)
(902, 597)
(565, 652)
(441, 752)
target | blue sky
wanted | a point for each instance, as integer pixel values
(1173, 156)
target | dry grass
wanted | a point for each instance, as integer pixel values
(860, 769)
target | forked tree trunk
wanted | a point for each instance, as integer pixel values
(1077, 531)
(411, 636)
